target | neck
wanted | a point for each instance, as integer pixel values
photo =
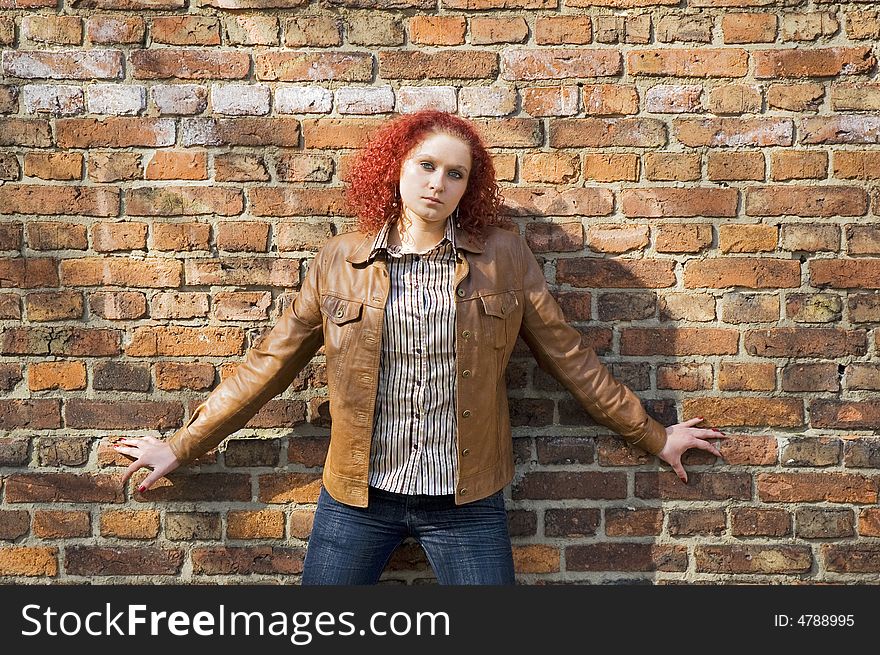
(416, 235)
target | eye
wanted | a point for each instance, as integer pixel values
(456, 175)
(428, 164)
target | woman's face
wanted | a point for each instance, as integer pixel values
(433, 178)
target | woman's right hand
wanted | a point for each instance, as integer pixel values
(147, 451)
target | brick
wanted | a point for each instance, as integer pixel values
(267, 201)
(202, 487)
(634, 29)
(251, 452)
(118, 305)
(607, 132)
(626, 306)
(855, 97)
(545, 485)
(756, 522)
(261, 524)
(703, 62)
(53, 305)
(53, 524)
(314, 66)
(673, 202)
(629, 522)
(114, 166)
(9, 105)
(746, 377)
(129, 524)
(489, 30)
(181, 237)
(539, 201)
(798, 165)
(686, 523)
(185, 30)
(677, 341)
(618, 273)
(255, 30)
(173, 376)
(25, 132)
(303, 100)
(753, 559)
(115, 237)
(371, 28)
(674, 99)
(43, 376)
(856, 165)
(810, 237)
(610, 99)
(316, 31)
(862, 376)
(735, 99)
(617, 238)
(742, 27)
(747, 238)
(57, 199)
(795, 97)
(63, 488)
(684, 377)
(244, 271)
(29, 561)
(733, 132)
(671, 167)
(251, 560)
(115, 132)
(183, 99)
(308, 451)
(536, 559)
(64, 64)
(851, 559)
(779, 412)
(240, 236)
(10, 376)
(565, 450)
(559, 63)
(863, 308)
(845, 273)
(180, 200)
(47, 99)
(437, 30)
(805, 342)
(10, 236)
(625, 557)
(242, 306)
(738, 165)
(240, 99)
(32, 414)
(240, 167)
(185, 340)
(365, 100)
(105, 560)
(289, 487)
(152, 272)
(806, 201)
(869, 523)
(563, 30)
(22, 341)
(703, 486)
(177, 165)
(242, 131)
(414, 98)
(14, 524)
(54, 166)
(798, 26)
(551, 167)
(487, 101)
(191, 526)
(863, 25)
(120, 376)
(815, 487)
(853, 415)
(811, 451)
(186, 64)
(116, 99)
(813, 62)
(417, 65)
(56, 235)
(10, 307)
(813, 308)
(110, 29)
(550, 101)
(63, 451)
(303, 168)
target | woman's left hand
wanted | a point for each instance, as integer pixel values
(683, 436)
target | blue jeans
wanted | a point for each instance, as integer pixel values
(466, 544)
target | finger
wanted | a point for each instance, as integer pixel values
(713, 434)
(693, 421)
(150, 480)
(679, 470)
(134, 466)
(126, 450)
(705, 445)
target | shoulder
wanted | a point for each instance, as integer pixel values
(501, 240)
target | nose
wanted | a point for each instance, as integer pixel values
(436, 180)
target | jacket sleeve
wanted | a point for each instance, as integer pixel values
(268, 369)
(558, 349)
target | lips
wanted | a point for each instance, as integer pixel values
(432, 199)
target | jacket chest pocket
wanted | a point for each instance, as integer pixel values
(342, 320)
(500, 310)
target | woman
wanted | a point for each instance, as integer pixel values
(418, 312)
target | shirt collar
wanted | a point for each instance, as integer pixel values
(381, 240)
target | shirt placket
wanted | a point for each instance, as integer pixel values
(418, 299)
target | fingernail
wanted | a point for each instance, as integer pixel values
(142, 489)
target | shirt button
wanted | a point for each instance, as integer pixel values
(465, 452)
(460, 292)
(466, 413)
(465, 374)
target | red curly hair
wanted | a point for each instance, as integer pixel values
(374, 181)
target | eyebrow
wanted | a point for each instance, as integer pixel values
(425, 155)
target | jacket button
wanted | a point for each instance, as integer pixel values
(465, 452)
(466, 413)
(465, 373)
(463, 491)
(466, 334)
(339, 313)
(460, 292)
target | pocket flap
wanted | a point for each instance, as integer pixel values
(500, 304)
(339, 310)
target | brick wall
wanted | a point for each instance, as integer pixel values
(699, 177)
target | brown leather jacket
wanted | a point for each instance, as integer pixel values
(501, 293)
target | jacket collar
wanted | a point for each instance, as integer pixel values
(367, 249)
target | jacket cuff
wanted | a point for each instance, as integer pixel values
(181, 444)
(654, 438)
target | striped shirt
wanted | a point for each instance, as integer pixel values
(413, 449)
